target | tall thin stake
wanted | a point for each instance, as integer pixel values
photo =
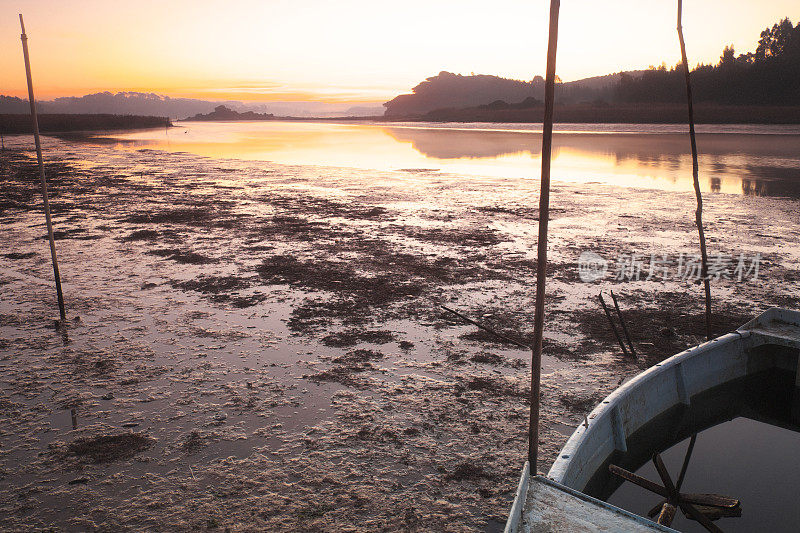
(541, 261)
(35, 120)
(699, 212)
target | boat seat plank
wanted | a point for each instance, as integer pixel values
(554, 508)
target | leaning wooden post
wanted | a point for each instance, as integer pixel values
(541, 261)
(35, 121)
(698, 194)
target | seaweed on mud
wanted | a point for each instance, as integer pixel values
(182, 215)
(9, 408)
(358, 357)
(364, 290)
(19, 255)
(327, 208)
(487, 357)
(677, 322)
(344, 339)
(193, 442)
(347, 366)
(295, 227)
(383, 278)
(141, 235)
(531, 213)
(458, 236)
(495, 386)
(182, 256)
(342, 375)
(243, 302)
(60, 235)
(377, 434)
(482, 336)
(468, 471)
(314, 511)
(580, 401)
(108, 448)
(374, 213)
(450, 270)
(213, 285)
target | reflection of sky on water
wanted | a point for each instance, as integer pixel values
(761, 160)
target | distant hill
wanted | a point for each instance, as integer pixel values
(224, 113)
(448, 90)
(136, 103)
(123, 103)
(13, 105)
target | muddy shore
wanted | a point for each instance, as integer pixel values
(254, 346)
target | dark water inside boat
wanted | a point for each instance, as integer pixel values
(748, 440)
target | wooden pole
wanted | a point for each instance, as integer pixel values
(35, 121)
(541, 261)
(699, 211)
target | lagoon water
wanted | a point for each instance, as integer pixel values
(739, 159)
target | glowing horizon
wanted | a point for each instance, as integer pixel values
(351, 52)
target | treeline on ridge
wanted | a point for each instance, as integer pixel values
(770, 75)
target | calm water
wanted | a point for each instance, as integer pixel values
(743, 459)
(746, 441)
(752, 160)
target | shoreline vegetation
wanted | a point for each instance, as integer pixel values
(20, 123)
(223, 113)
(498, 112)
(604, 113)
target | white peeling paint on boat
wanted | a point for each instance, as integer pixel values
(668, 384)
(555, 508)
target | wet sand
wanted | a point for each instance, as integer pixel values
(255, 346)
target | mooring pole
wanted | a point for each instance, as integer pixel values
(35, 121)
(541, 261)
(697, 193)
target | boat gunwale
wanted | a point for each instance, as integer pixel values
(768, 328)
(561, 467)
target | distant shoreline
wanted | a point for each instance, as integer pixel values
(54, 124)
(67, 123)
(618, 114)
(589, 114)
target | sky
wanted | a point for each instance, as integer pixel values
(349, 50)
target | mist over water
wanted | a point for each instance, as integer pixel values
(755, 160)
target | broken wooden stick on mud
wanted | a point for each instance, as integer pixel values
(613, 326)
(486, 328)
(623, 324)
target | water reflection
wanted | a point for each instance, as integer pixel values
(746, 429)
(752, 163)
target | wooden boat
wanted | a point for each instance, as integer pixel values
(559, 501)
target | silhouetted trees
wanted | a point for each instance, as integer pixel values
(768, 76)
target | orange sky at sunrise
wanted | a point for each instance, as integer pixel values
(351, 50)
